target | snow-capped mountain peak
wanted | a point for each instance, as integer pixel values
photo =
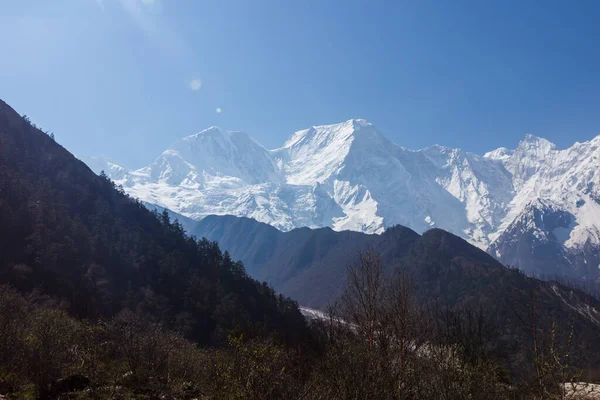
(111, 168)
(323, 135)
(214, 130)
(214, 155)
(501, 153)
(320, 152)
(529, 146)
(349, 176)
(535, 146)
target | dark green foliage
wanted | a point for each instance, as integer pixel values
(76, 238)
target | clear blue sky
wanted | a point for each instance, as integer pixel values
(117, 77)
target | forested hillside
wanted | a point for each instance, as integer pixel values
(76, 240)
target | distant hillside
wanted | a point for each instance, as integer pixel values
(309, 265)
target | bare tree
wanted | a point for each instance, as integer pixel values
(13, 312)
(380, 308)
(363, 295)
(554, 376)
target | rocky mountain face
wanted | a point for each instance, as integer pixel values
(348, 176)
(552, 223)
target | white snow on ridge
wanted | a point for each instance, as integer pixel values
(567, 179)
(349, 176)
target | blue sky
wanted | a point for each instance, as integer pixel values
(125, 78)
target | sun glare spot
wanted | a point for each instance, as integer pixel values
(195, 84)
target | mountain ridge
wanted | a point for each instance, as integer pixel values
(350, 176)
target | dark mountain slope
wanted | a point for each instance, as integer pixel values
(70, 235)
(309, 264)
(445, 270)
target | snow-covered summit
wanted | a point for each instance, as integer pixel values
(111, 168)
(501, 153)
(349, 176)
(320, 152)
(212, 156)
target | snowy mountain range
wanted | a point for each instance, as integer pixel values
(525, 206)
